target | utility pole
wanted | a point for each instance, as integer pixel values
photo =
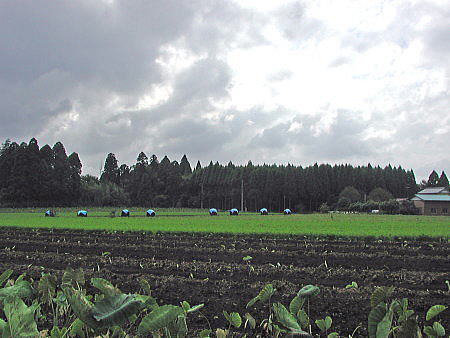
(242, 195)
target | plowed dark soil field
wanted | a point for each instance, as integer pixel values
(203, 268)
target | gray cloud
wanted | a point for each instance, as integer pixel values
(75, 72)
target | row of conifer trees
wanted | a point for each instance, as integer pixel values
(47, 176)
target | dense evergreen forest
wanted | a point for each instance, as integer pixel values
(31, 177)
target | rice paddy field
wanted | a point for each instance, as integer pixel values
(195, 220)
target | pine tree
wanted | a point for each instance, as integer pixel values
(111, 170)
(433, 179)
(443, 180)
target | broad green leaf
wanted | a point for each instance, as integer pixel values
(384, 326)
(145, 286)
(303, 319)
(296, 304)
(220, 333)
(4, 276)
(115, 310)
(439, 329)
(80, 305)
(376, 315)
(185, 305)
(178, 328)
(56, 332)
(321, 324)
(105, 287)
(206, 333)
(308, 291)
(380, 295)
(247, 258)
(434, 311)
(328, 322)
(233, 318)
(47, 288)
(429, 331)
(21, 289)
(73, 277)
(250, 320)
(285, 317)
(333, 335)
(159, 318)
(263, 295)
(20, 318)
(408, 329)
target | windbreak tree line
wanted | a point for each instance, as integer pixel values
(33, 176)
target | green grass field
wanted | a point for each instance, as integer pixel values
(360, 225)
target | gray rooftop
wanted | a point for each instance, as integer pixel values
(434, 190)
(429, 197)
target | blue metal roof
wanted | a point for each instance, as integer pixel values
(429, 197)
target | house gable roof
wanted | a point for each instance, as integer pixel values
(434, 190)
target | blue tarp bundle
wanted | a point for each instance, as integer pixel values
(234, 211)
(49, 213)
(82, 213)
(151, 213)
(125, 213)
(287, 211)
(263, 211)
(213, 211)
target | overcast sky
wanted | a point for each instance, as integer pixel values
(267, 81)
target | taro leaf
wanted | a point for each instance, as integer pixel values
(118, 332)
(105, 287)
(429, 331)
(250, 320)
(185, 305)
(408, 329)
(321, 324)
(159, 318)
(115, 310)
(296, 304)
(80, 305)
(76, 329)
(22, 289)
(384, 326)
(376, 315)
(4, 276)
(233, 318)
(20, 319)
(73, 277)
(380, 295)
(47, 288)
(285, 317)
(432, 311)
(439, 329)
(308, 291)
(206, 333)
(303, 319)
(263, 295)
(333, 335)
(178, 328)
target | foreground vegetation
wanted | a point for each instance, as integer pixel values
(360, 225)
(65, 309)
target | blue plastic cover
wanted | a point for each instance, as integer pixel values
(287, 211)
(48, 212)
(212, 210)
(82, 212)
(234, 210)
(125, 211)
(149, 211)
(263, 210)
